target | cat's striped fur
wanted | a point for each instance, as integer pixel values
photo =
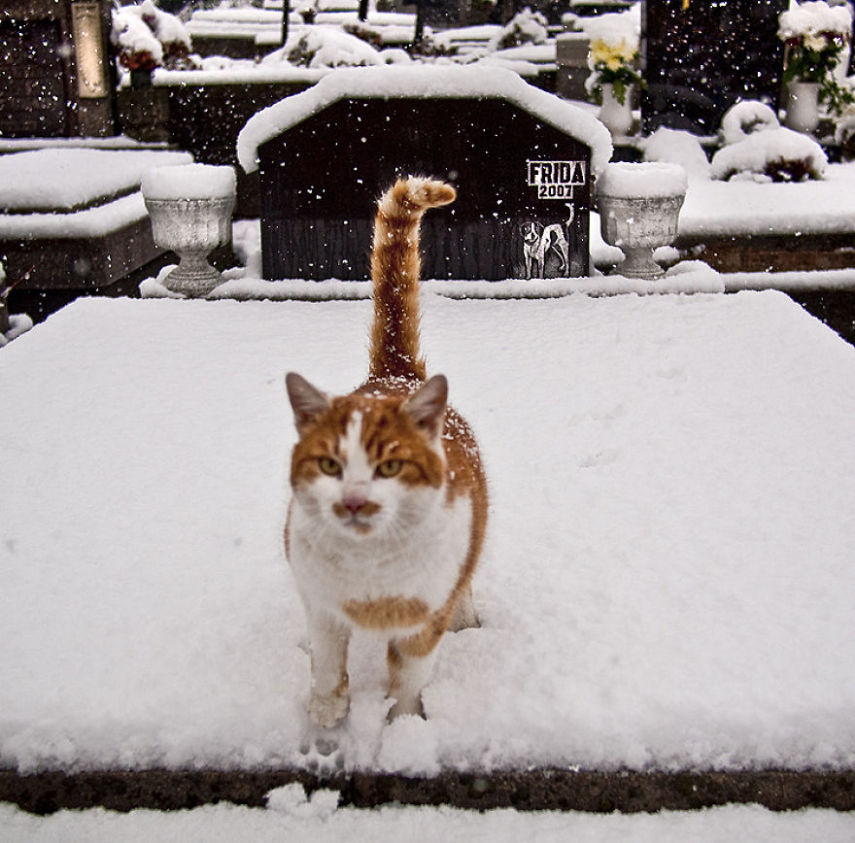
(389, 502)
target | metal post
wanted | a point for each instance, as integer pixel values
(286, 12)
(420, 22)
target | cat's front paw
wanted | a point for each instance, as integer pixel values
(327, 710)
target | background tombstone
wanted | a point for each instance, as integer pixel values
(701, 57)
(56, 70)
(524, 187)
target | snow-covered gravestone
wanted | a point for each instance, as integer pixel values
(520, 158)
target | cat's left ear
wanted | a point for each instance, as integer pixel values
(427, 405)
(307, 401)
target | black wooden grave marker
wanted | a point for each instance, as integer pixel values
(701, 57)
(524, 189)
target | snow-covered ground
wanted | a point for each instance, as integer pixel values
(306, 822)
(667, 582)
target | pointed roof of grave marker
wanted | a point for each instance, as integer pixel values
(427, 83)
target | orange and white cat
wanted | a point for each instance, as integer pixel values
(389, 503)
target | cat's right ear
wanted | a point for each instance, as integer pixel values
(307, 401)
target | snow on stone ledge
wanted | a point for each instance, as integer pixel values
(189, 181)
(423, 83)
(644, 180)
(91, 222)
(60, 179)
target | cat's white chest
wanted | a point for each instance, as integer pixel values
(422, 562)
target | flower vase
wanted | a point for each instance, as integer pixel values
(190, 207)
(615, 115)
(639, 207)
(802, 106)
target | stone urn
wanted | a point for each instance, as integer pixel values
(639, 206)
(802, 106)
(190, 206)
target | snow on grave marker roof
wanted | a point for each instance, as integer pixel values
(427, 83)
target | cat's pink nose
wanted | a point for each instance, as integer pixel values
(355, 503)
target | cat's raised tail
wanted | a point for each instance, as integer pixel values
(395, 271)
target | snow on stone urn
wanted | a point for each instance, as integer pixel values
(639, 206)
(190, 207)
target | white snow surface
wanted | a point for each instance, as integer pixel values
(642, 180)
(667, 579)
(303, 822)
(614, 27)
(218, 70)
(63, 178)
(423, 81)
(189, 181)
(91, 222)
(677, 147)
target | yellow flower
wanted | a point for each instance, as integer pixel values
(814, 42)
(614, 55)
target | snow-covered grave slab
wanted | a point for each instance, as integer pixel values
(60, 180)
(751, 209)
(667, 581)
(75, 218)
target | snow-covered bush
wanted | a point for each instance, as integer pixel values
(147, 37)
(326, 46)
(815, 35)
(526, 27)
(137, 47)
(369, 34)
(613, 55)
(744, 119)
(307, 9)
(674, 146)
(770, 154)
(757, 147)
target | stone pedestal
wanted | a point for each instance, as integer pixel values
(571, 56)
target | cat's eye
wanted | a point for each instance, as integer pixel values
(389, 468)
(329, 466)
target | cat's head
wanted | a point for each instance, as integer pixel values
(368, 463)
